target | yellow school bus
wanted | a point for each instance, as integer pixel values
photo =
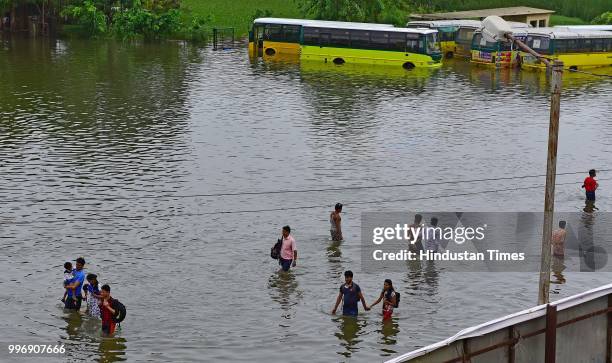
(578, 49)
(280, 38)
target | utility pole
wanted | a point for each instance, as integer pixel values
(551, 173)
(496, 28)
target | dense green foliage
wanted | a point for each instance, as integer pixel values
(605, 18)
(369, 11)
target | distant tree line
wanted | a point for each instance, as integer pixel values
(148, 19)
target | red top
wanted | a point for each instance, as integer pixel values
(590, 184)
(105, 314)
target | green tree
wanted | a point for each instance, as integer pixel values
(371, 11)
(605, 18)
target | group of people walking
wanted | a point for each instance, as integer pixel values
(100, 303)
(285, 251)
(350, 293)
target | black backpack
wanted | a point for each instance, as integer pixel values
(397, 298)
(119, 311)
(275, 251)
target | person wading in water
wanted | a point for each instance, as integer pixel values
(335, 220)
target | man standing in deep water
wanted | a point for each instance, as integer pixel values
(350, 294)
(75, 286)
(335, 220)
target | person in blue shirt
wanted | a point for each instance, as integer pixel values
(75, 286)
(350, 294)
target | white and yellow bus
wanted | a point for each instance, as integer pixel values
(279, 38)
(403, 47)
(345, 42)
(578, 49)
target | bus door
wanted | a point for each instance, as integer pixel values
(258, 39)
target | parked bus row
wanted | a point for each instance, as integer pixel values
(423, 44)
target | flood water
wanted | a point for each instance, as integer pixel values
(112, 151)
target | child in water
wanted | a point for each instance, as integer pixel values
(92, 295)
(389, 298)
(67, 277)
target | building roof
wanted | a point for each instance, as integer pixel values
(483, 13)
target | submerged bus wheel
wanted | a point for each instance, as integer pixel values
(573, 68)
(408, 65)
(270, 52)
(338, 61)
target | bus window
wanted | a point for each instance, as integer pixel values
(598, 45)
(465, 34)
(360, 39)
(311, 36)
(339, 38)
(397, 42)
(447, 34)
(432, 44)
(291, 33)
(539, 44)
(379, 40)
(273, 32)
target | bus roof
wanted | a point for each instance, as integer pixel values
(586, 27)
(443, 23)
(322, 23)
(567, 33)
(350, 26)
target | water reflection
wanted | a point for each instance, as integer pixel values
(112, 349)
(388, 330)
(283, 288)
(422, 276)
(349, 330)
(334, 257)
(74, 322)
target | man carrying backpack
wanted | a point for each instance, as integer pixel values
(111, 311)
(288, 251)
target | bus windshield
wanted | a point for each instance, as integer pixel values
(433, 46)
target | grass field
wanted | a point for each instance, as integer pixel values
(239, 13)
(565, 20)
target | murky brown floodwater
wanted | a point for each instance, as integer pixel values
(103, 147)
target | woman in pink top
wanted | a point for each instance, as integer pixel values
(288, 252)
